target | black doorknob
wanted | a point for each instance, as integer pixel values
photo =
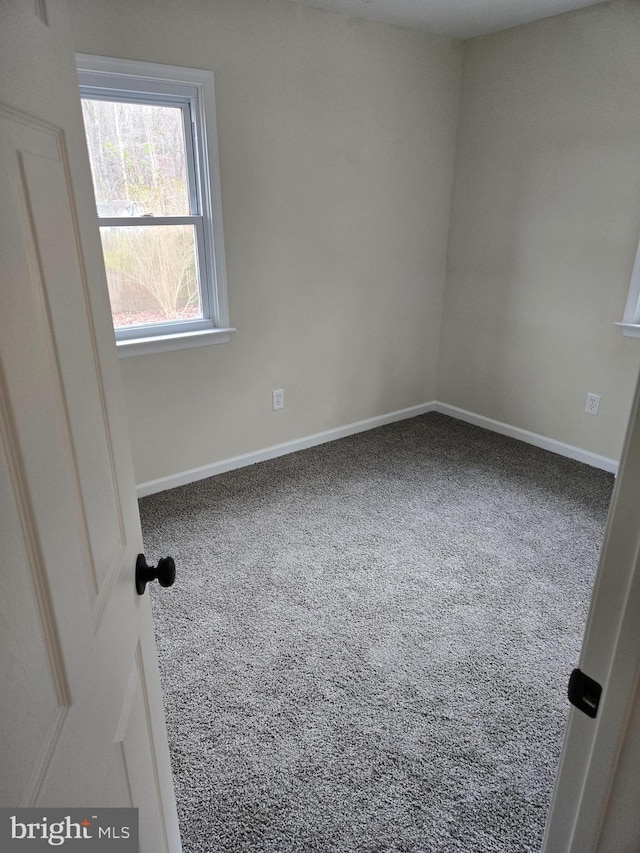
(165, 572)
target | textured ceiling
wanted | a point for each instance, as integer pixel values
(456, 18)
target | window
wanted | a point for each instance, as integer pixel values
(152, 146)
(631, 318)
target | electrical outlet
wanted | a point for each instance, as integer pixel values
(593, 404)
(277, 399)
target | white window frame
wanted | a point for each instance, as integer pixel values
(192, 90)
(631, 318)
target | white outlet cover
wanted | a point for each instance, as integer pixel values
(593, 404)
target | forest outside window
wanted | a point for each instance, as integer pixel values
(151, 138)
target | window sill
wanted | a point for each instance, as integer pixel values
(181, 340)
(630, 330)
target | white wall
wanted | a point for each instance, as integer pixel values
(337, 143)
(545, 224)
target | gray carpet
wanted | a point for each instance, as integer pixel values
(368, 643)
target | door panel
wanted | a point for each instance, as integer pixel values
(136, 748)
(47, 188)
(611, 655)
(81, 718)
(35, 169)
(33, 695)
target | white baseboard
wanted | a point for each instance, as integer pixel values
(559, 447)
(181, 479)
(542, 441)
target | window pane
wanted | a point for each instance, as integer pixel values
(137, 155)
(152, 273)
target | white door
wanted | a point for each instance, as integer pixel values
(81, 718)
(596, 804)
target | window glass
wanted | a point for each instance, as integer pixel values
(152, 274)
(138, 159)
